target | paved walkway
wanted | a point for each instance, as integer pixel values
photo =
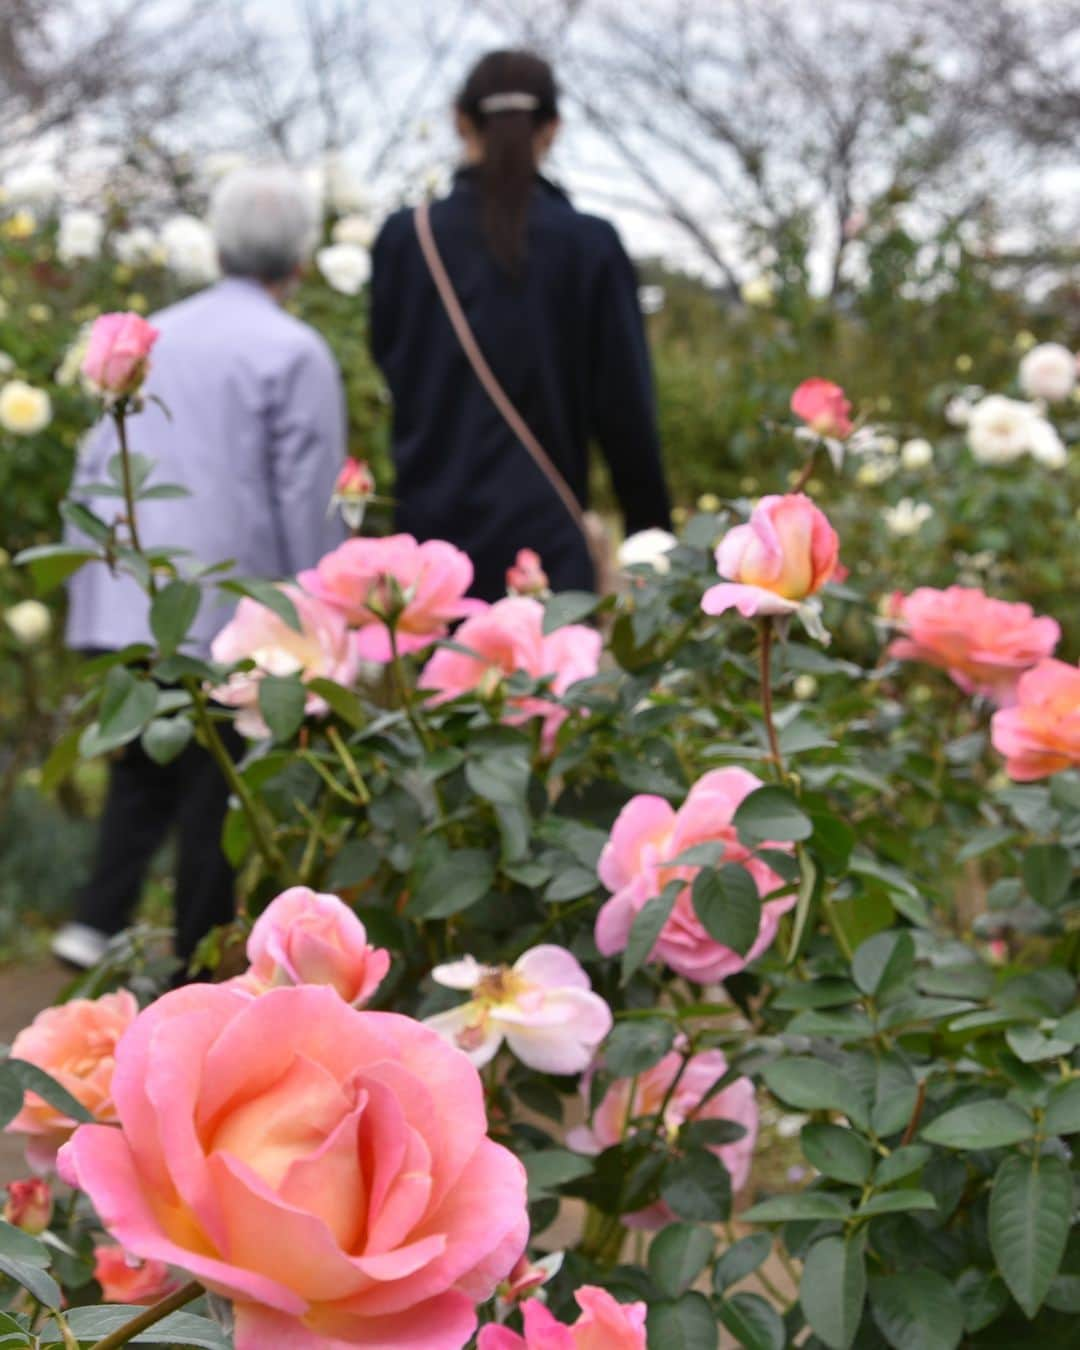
(24, 991)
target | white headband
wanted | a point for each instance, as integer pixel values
(497, 103)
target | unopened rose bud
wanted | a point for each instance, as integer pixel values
(527, 576)
(29, 1205)
(354, 488)
(118, 354)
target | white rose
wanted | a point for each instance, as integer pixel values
(647, 548)
(24, 410)
(873, 472)
(345, 266)
(958, 411)
(136, 246)
(805, 687)
(33, 184)
(355, 229)
(906, 517)
(190, 250)
(29, 620)
(759, 292)
(916, 453)
(651, 299)
(1048, 372)
(79, 236)
(999, 429)
(1046, 445)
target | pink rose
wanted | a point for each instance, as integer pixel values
(321, 649)
(637, 864)
(74, 1043)
(1040, 735)
(527, 576)
(327, 1169)
(303, 937)
(353, 490)
(29, 1205)
(985, 645)
(126, 1279)
(420, 587)
(604, 1324)
(118, 355)
(824, 407)
(508, 636)
(635, 1098)
(784, 554)
(542, 1005)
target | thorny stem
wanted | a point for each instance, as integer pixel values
(805, 472)
(404, 693)
(122, 1335)
(765, 666)
(120, 418)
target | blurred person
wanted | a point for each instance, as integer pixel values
(255, 431)
(498, 461)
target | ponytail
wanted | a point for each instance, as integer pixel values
(508, 97)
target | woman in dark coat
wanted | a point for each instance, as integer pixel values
(551, 297)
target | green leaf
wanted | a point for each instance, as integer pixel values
(14, 1242)
(172, 614)
(901, 1163)
(41, 1284)
(919, 1310)
(838, 1153)
(459, 879)
(268, 594)
(12, 1335)
(833, 1289)
(1063, 1109)
(697, 1186)
(771, 814)
(33, 1079)
(741, 1259)
(804, 1205)
(986, 1124)
(895, 1202)
(815, 1085)
(884, 962)
(1030, 1215)
(808, 892)
(1030, 1046)
(637, 1045)
(551, 1168)
(11, 1096)
(568, 607)
(687, 1324)
(571, 884)
(501, 777)
(282, 702)
(357, 860)
(646, 927)
(178, 1329)
(166, 738)
(51, 564)
(677, 1256)
(729, 906)
(340, 700)
(1047, 871)
(127, 704)
(85, 521)
(753, 1322)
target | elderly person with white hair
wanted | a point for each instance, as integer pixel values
(255, 431)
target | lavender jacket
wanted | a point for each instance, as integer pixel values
(257, 436)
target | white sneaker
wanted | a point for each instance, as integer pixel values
(77, 944)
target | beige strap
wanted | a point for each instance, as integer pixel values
(484, 373)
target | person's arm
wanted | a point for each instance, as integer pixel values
(307, 448)
(622, 400)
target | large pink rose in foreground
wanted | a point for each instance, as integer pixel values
(604, 1324)
(635, 1098)
(784, 554)
(321, 649)
(368, 580)
(118, 354)
(75, 1043)
(985, 645)
(303, 937)
(637, 864)
(824, 407)
(1040, 734)
(507, 637)
(327, 1169)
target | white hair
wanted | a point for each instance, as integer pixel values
(264, 223)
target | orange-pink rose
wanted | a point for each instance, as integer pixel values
(328, 1170)
(604, 1324)
(118, 354)
(74, 1043)
(985, 645)
(1040, 734)
(127, 1279)
(784, 554)
(418, 588)
(824, 407)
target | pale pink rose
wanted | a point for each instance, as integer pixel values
(630, 1099)
(604, 1324)
(421, 587)
(118, 355)
(322, 649)
(985, 645)
(824, 407)
(507, 637)
(326, 1169)
(29, 1205)
(75, 1043)
(527, 576)
(353, 490)
(1040, 734)
(304, 937)
(784, 554)
(636, 865)
(127, 1279)
(542, 1006)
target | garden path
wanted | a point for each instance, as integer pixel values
(24, 991)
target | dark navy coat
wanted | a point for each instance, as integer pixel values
(567, 343)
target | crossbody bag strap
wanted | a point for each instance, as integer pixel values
(484, 373)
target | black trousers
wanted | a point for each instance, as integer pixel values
(144, 802)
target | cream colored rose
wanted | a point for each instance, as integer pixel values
(24, 410)
(355, 229)
(916, 454)
(29, 620)
(1049, 372)
(345, 266)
